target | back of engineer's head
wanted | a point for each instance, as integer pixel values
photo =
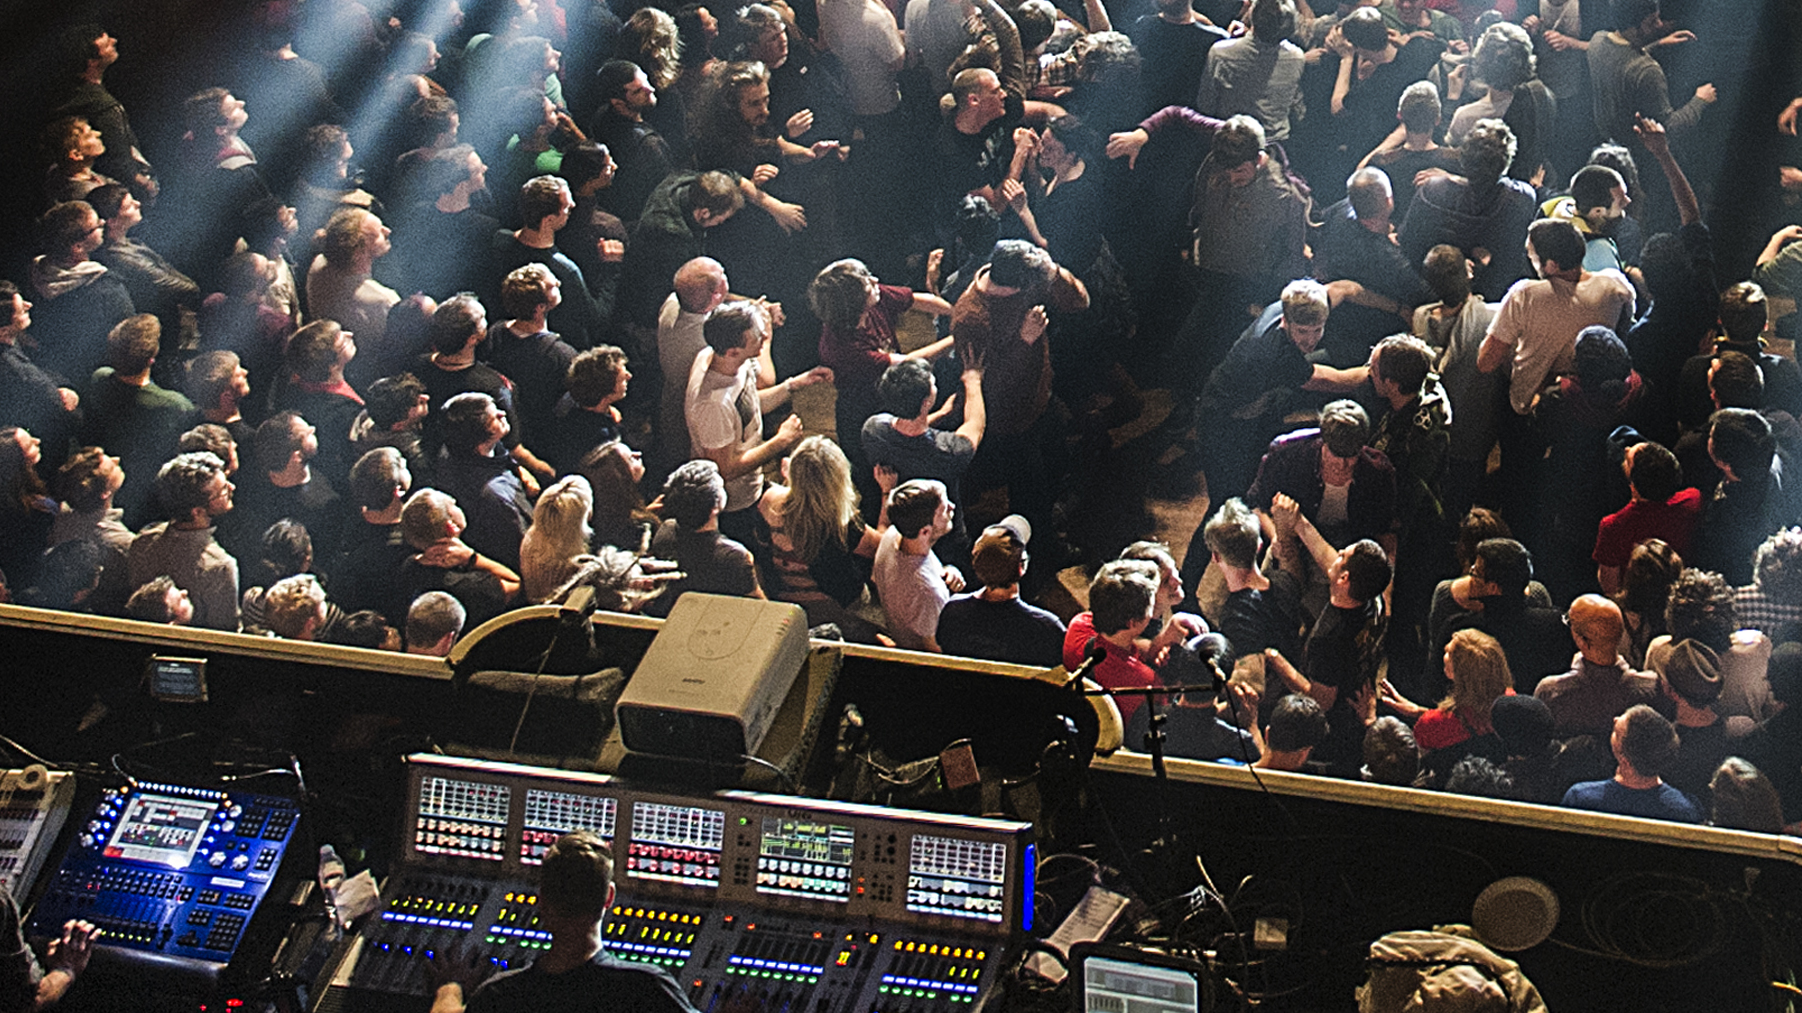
(1777, 565)
(1016, 263)
(1364, 29)
(1735, 380)
(1487, 153)
(904, 387)
(1655, 472)
(575, 882)
(913, 504)
(1447, 272)
(1593, 187)
(692, 494)
(426, 518)
(1741, 439)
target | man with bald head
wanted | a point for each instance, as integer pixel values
(1600, 685)
(1357, 243)
(700, 285)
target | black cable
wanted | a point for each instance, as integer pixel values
(28, 754)
(532, 691)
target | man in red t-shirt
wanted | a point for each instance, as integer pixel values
(1121, 599)
(1658, 509)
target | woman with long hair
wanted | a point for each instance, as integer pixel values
(1478, 672)
(814, 549)
(1645, 590)
(651, 39)
(26, 509)
(859, 317)
(613, 471)
(559, 533)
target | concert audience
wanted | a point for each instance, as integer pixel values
(375, 412)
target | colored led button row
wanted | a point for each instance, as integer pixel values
(436, 923)
(773, 976)
(503, 930)
(774, 965)
(179, 789)
(651, 914)
(671, 955)
(922, 994)
(937, 950)
(931, 986)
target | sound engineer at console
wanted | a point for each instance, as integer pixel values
(23, 986)
(575, 891)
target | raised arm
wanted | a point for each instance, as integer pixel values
(1007, 39)
(1096, 13)
(1288, 513)
(1652, 134)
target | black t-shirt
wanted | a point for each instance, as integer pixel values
(1370, 104)
(1010, 631)
(966, 162)
(572, 433)
(538, 366)
(1340, 655)
(443, 384)
(605, 984)
(479, 591)
(710, 563)
(365, 567)
(1172, 58)
(1253, 621)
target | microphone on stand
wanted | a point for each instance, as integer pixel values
(1093, 652)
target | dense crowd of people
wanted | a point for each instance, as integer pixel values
(353, 360)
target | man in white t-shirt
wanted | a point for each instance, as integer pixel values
(913, 584)
(726, 396)
(1536, 329)
(700, 285)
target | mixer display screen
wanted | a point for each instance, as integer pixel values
(551, 814)
(676, 844)
(957, 878)
(805, 858)
(462, 819)
(161, 829)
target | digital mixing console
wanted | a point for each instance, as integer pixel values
(34, 804)
(767, 901)
(174, 876)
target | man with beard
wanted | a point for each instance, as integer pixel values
(641, 152)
